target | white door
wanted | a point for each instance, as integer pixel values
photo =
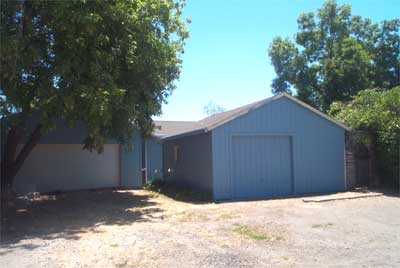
(54, 167)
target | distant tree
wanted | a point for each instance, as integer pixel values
(212, 108)
(378, 112)
(336, 54)
(108, 64)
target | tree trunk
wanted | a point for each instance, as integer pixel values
(10, 165)
(12, 162)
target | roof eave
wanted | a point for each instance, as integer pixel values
(185, 134)
(262, 103)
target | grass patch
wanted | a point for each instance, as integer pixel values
(253, 233)
(225, 216)
(114, 245)
(190, 216)
(322, 225)
(121, 264)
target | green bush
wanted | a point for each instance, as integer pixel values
(154, 185)
(177, 192)
(378, 112)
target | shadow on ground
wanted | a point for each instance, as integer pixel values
(388, 190)
(179, 192)
(67, 215)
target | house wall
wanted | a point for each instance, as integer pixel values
(318, 147)
(131, 163)
(154, 153)
(194, 165)
(129, 160)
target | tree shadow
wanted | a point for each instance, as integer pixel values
(68, 215)
(181, 193)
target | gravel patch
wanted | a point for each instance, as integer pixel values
(142, 229)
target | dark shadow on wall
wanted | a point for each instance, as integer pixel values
(391, 190)
(67, 215)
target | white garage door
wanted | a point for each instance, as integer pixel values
(53, 167)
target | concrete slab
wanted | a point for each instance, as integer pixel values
(341, 196)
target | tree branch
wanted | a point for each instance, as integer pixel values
(28, 147)
(13, 138)
(12, 163)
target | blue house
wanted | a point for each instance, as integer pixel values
(59, 163)
(274, 147)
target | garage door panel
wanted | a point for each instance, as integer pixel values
(261, 166)
(285, 163)
(52, 167)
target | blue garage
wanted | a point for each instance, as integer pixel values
(275, 147)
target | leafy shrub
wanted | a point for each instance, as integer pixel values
(177, 192)
(154, 185)
(378, 112)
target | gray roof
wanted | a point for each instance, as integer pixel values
(214, 120)
(168, 129)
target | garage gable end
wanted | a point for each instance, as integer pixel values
(226, 117)
(283, 129)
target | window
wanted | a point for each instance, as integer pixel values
(177, 152)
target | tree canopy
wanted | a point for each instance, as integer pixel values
(107, 64)
(378, 112)
(336, 54)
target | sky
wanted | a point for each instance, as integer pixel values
(225, 59)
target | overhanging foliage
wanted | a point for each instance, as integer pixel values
(378, 112)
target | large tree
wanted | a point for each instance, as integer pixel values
(107, 64)
(336, 54)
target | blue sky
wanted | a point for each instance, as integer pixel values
(225, 58)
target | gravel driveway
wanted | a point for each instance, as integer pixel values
(141, 229)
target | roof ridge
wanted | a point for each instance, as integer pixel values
(214, 121)
(231, 110)
(183, 121)
(234, 113)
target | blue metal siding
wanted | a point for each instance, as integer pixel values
(265, 174)
(62, 134)
(131, 163)
(154, 158)
(194, 165)
(317, 147)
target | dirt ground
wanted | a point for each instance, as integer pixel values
(142, 229)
